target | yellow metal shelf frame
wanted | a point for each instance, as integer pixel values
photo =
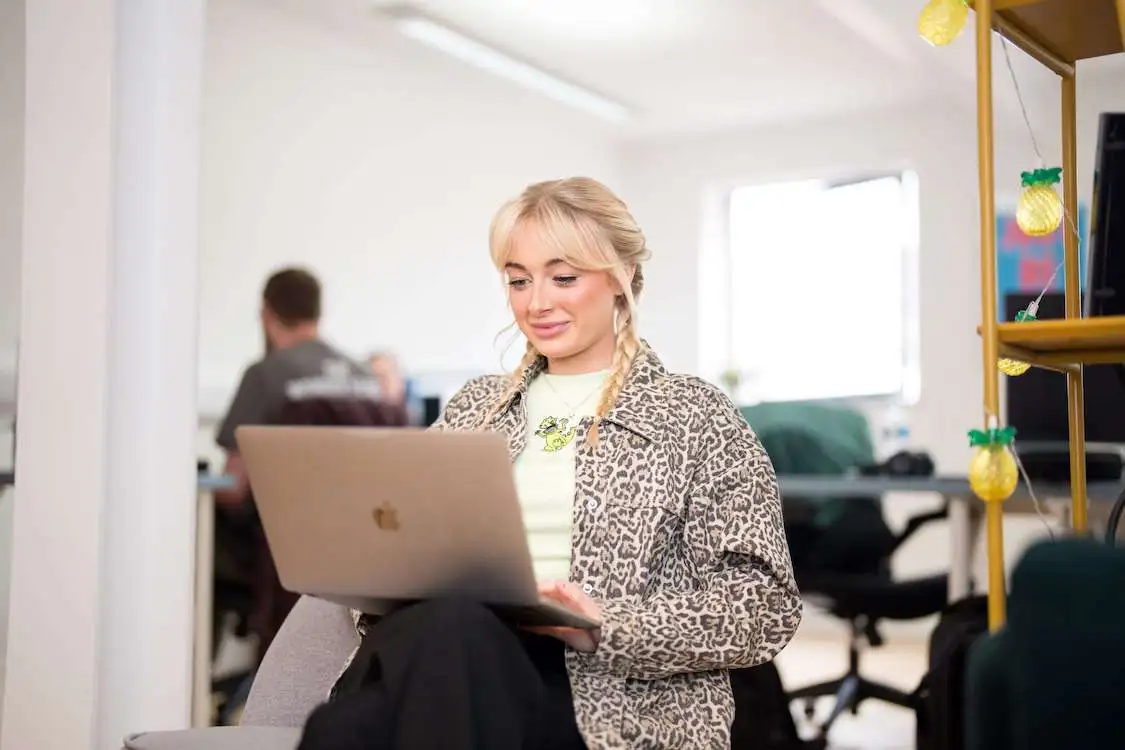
(1065, 343)
(1057, 33)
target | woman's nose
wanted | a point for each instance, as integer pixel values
(540, 297)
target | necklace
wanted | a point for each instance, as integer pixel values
(558, 432)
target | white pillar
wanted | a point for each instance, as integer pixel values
(11, 239)
(101, 592)
(148, 560)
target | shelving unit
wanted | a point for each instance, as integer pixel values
(1057, 33)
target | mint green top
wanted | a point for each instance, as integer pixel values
(544, 471)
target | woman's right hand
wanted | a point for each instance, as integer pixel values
(573, 598)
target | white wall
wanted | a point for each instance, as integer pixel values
(670, 181)
(379, 163)
(371, 158)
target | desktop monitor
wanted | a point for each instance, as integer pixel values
(1106, 267)
(431, 410)
(1036, 401)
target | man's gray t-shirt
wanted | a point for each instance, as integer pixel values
(308, 369)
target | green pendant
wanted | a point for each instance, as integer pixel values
(555, 434)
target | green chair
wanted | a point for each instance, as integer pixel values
(813, 439)
(1051, 678)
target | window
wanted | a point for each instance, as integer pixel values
(822, 302)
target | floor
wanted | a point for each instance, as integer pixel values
(819, 653)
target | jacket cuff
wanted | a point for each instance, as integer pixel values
(620, 632)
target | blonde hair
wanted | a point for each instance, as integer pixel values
(591, 229)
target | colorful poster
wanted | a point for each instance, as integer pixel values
(1025, 264)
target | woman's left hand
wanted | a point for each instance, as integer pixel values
(571, 597)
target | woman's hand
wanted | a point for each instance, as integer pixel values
(571, 597)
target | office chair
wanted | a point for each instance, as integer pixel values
(842, 547)
(863, 599)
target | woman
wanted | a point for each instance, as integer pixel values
(677, 543)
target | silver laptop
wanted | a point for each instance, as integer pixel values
(377, 518)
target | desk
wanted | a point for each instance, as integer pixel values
(964, 510)
(212, 482)
(205, 483)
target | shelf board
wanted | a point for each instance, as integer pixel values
(1060, 343)
(1069, 30)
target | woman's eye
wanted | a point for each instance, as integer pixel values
(517, 283)
(565, 280)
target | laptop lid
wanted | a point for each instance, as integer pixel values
(370, 517)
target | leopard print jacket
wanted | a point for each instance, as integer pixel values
(678, 535)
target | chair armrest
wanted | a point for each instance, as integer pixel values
(303, 661)
(217, 738)
(918, 521)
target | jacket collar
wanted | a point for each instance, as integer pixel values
(639, 406)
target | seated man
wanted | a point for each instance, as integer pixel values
(301, 380)
(298, 365)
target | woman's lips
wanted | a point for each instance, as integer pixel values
(549, 330)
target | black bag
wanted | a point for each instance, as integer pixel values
(940, 696)
(762, 720)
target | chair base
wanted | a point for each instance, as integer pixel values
(850, 691)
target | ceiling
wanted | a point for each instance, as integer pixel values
(700, 65)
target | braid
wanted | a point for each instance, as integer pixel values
(514, 382)
(628, 346)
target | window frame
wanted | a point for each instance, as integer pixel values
(720, 224)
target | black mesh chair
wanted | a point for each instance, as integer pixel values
(863, 600)
(842, 547)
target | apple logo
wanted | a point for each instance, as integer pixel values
(386, 517)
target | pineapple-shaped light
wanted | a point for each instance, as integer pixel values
(1040, 210)
(941, 21)
(1015, 367)
(993, 474)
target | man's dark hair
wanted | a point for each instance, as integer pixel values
(293, 295)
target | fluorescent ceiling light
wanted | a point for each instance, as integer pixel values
(586, 20)
(473, 52)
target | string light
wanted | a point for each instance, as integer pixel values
(942, 21)
(993, 474)
(995, 469)
(1039, 208)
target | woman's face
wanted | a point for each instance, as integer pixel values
(566, 313)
